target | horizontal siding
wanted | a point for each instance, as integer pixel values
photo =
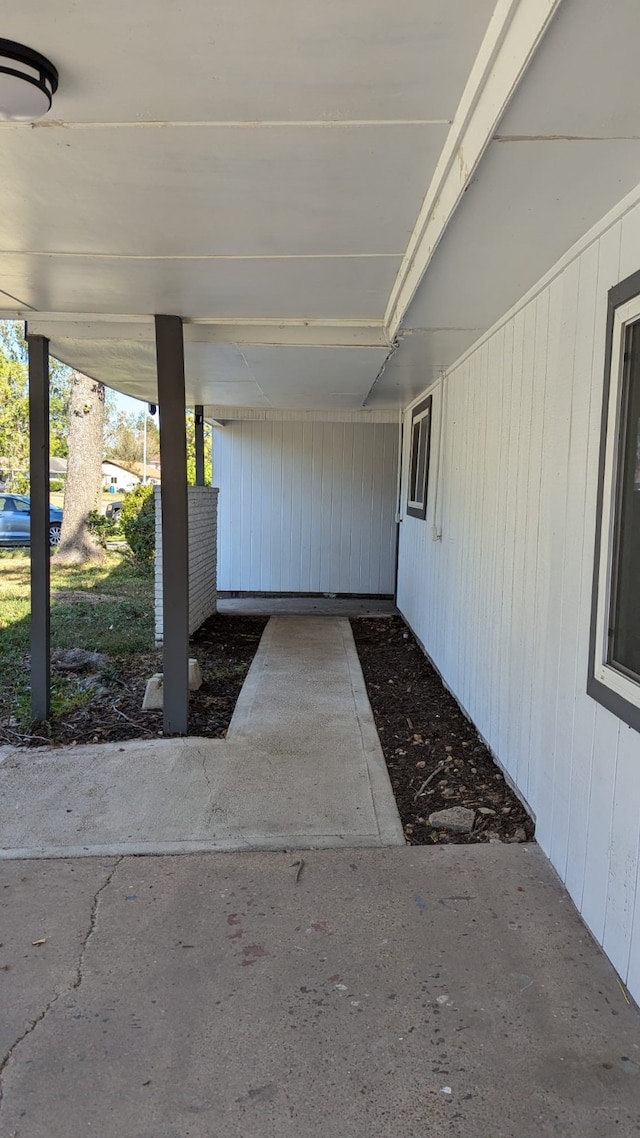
(306, 507)
(502, 602)
(202, 505)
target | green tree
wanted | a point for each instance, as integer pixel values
(124, 437)
(138, 522)
(14, 413)
(191, 451)
(59, 397)
(14, 397)
(123, 442)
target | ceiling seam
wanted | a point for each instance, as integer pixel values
(221, 124)
(199, 256)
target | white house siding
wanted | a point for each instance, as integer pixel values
(502, 602)
(306, 507)
(202, 502)
(124, 479)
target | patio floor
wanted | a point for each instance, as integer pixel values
(421, 993)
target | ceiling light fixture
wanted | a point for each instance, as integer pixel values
(28, 83)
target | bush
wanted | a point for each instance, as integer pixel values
(19, 483)
(102, 528)
(55, 485)
(138, 522)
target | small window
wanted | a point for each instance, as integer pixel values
(419, 460)
(614, 677)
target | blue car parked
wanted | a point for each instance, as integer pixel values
(15, 520)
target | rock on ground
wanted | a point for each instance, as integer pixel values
(456, 818)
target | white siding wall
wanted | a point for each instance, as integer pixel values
(502, 602)
(202, 504)
(306, 507)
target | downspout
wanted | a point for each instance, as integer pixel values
(436, 528)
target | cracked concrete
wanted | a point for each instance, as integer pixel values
(76, 982)
(19, 954)
(445, 993)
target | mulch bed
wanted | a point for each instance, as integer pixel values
(426, 738)
(224, 647)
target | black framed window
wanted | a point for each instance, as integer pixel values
(614, 672)
(420, 443)
(624, 618)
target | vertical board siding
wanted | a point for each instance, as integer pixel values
(502, 602)
(306, 507)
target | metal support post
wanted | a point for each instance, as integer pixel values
(40, 554)
(175, 549)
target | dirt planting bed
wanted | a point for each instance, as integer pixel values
(435, 757)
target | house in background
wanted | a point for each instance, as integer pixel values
(148, 471)
(119, 477)
(399, 254)
(57, 469)
(113, 474)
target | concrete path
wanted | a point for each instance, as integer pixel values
(389, 993)
(301, 766)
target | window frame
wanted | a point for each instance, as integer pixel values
(616, 690)
(420, 449)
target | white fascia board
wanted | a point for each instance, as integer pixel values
(289, 333)
(64, 327)
(220, 415)
(514, 33)
(284, 333)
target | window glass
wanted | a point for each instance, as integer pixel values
(624, 617)
(415, 447)
(419, 460)
(613, 678)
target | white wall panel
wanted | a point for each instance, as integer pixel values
(306, 507)
(502, 602)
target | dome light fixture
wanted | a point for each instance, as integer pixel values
(28, 83)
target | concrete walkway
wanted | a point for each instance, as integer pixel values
(397, 992)
(301, 767)
(388, 993)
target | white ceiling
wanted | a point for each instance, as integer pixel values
(489, 259)
(256, 61)
(320, 288)
(254, 375)
(262, 167)
(214, 191)
(581, 81)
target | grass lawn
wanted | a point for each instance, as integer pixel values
(107, 608)
(56, 497)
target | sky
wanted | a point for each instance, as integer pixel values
(129, 405)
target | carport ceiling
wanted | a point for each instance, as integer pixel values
(261, 169)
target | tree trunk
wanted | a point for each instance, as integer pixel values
(84, 471)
